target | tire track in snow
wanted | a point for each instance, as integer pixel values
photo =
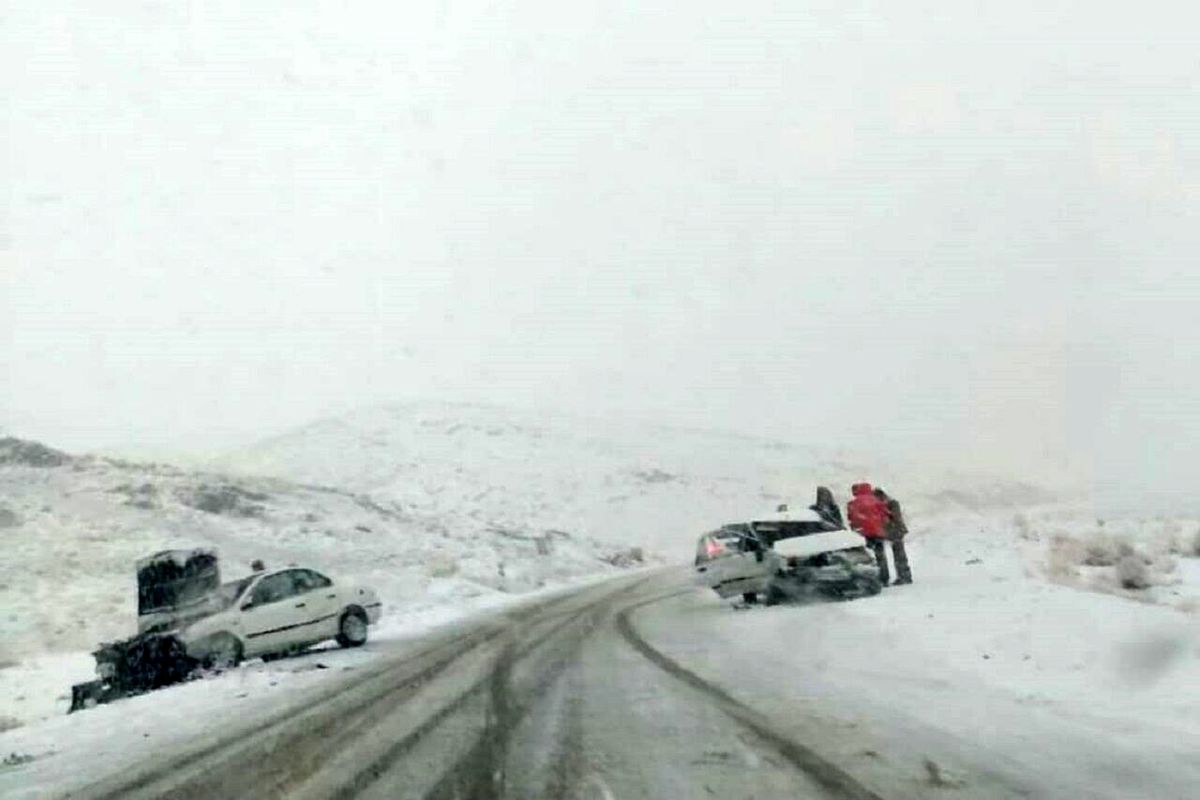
(825, 772)
(282, 752)
(480, 775)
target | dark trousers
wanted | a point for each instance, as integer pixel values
(899, 555)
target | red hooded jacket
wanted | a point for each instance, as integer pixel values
(866, 512)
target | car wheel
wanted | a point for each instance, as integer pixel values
(352, 628)
(224, 652)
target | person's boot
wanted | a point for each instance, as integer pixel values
(903, 580)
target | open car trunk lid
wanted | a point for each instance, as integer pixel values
(174, 584)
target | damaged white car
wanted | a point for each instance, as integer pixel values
(275, 613)
(189, 620)
(787, 556)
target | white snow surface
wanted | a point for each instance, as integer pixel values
(120, 735)
(640, 483)
(1010, 656)
(1010, 684)
(74, 532)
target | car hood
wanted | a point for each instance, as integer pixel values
(817, 543)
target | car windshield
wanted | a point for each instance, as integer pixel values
(228, 593)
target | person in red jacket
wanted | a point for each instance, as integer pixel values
(868, 516)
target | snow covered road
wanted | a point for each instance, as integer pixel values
(552, 699)
(645, 687)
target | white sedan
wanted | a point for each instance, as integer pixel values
(273, 613)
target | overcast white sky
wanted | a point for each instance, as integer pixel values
(948, 227)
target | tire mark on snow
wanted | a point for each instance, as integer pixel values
(569, 759)
(480, 774)
(825, 772)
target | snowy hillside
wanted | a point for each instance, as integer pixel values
(482, 468)
(73, 527)
(492, 469)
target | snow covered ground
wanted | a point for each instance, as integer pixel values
(1007, 683)
(73, 527)
(1018, 633)
(46, 752)
(654, 485)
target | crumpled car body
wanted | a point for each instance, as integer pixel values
(189, 620)
(785, 555)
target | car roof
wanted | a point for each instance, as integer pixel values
(789, 514)
(266, 573)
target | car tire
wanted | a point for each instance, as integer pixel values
(224, 651)
(775, 595)
(352, 628)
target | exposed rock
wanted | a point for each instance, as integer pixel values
(225, 499)
(30, 454)
(654, 476)
(626, 558)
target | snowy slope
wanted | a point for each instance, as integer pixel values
(487, 468)
(1018, 630)
(984, 679)
(491, 467)
(73, 527)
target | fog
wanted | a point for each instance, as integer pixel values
(928, 229)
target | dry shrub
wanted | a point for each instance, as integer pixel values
(1132, 572)
(1065, 554)
(1101, 550)
(1024, 530)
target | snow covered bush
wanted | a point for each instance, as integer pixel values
(1065, 554)
(1023, 528)
(224, 499)
(1132, 572)
(1102, 550)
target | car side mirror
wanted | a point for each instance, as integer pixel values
(246, 606)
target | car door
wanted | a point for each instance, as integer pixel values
(318, 594)
(276, 615)
(746, 568)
